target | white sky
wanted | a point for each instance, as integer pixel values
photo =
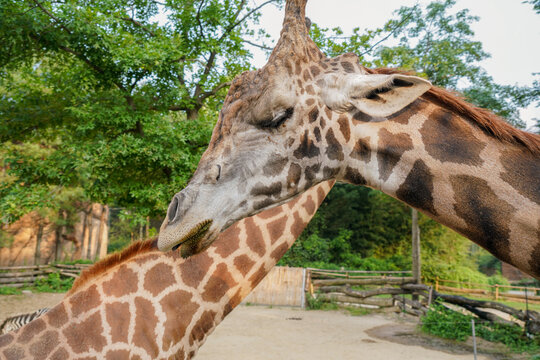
(508, 29)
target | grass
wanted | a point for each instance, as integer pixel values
(53, 283)
(450, 324)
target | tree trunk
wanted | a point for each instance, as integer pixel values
(192, 114)
(38, 244)
(84, 240)
(102, 226)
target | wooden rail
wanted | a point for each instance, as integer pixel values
(497, 292)
(19, 276)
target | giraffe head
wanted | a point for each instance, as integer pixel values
(271, 141)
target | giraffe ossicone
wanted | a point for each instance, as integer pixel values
(143, 304)
(304, 118)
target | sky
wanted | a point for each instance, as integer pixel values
(508, 29)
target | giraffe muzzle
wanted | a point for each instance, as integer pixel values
(188, 242)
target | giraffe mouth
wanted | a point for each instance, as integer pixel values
(194, 235)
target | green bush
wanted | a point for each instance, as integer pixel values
(53, 283)
(449, 324)
(7, 290)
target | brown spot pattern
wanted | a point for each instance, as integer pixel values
(280, 251)
(311, 172)
(202, 326)
(62, 354)
(293, 177)
(86, 300)
(276, 228)
(334, 150)
(534, 263)
(118, 315)
(179, 310)
(257, 276)
(306, 148)
(5, 339)
(230, 241)
(344, 127)
(275, 165)
(487, 217)
(390, 149)
(124, 276)
(218, 284)
(159, 278)
(347, 66)
(194, 269)
(44, 345)
(14, 353)
(361, 150)
(86, 335)
(233, 302)
(310, 205)
(298, 225)
(145, 327)
(449, 138)
(354, 177)
(270, 190)
(313, 115)
(255, 240)
(244, 264)
(31, 330)
(317, 133)
(117, 354)
(315, 70)
(522, 172)
(57, 316)
(417, 189)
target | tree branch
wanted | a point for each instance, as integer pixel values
(257, 45)
(214, 91)
(139, 24)
(38, 4)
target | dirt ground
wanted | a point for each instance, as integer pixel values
(263, 333)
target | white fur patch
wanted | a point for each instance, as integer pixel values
(344, 92)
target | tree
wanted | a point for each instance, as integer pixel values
(119, 96)
(437, 45)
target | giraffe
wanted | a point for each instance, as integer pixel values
(304, 118)
(143, 304)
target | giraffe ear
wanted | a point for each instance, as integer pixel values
(375, 95)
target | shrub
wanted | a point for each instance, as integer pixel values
(449, 324)
(53, 283)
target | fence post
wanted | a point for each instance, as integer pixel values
(496, 292)
(473, 338)
(437, 284)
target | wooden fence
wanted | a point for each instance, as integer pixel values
(496, 292)
(19, 276)
(282, 286)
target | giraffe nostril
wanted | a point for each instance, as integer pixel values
(173, 210)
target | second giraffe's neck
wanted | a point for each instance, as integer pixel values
(157, 305)
(441, 164)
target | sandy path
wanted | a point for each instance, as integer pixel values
(261, 333)
(19, 304)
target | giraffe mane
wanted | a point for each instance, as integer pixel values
(490, 123)
(137, 248)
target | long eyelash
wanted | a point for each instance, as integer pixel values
(276, 122)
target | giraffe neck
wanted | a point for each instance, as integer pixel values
(159, 305)
(441, 164)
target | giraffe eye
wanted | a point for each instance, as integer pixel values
(279, 119)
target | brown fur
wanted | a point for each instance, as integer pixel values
(484, 119)
(139, 247)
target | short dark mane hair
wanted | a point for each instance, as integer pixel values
(139, 247)
(490, 123)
